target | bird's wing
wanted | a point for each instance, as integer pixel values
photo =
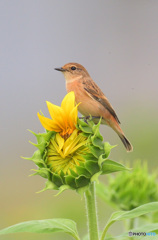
(95, 92)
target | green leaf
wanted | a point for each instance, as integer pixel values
(139, 211)
(123, 215)
(110, 166)
(44, 226)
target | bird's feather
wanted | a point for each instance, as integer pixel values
(95, 92)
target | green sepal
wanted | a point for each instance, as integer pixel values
(82, 122)
(95, 177)
(96, 151)
(49, 186)
(81, 163)
(97, 142)
(83, 171)
(90, 156)
(36, 155)
(41, 146)
(96, 131)
(70, 180)
(82, 181)
(110, 166)
(42, 140)
(40, 163)
(42, 136)
(37, 135)
(63, 188)
(85, 134)
(47, 135)
(62, 175)
(101, 159)
(90, 122)
(37, 159)
(92, 167)
(57, 179)
(107, 149)
(74, 174)
(43, 172)
(83, 126)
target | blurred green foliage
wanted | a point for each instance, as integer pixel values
(130, 189)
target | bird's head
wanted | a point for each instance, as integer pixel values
(73, 71)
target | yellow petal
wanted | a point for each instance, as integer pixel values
(60, 141)
(73, 117)
(57, 114)
(48, 123)
(70, 142)
(68, 103)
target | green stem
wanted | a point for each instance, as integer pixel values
(92, 212)
(106, 229)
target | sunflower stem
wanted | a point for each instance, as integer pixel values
(92, 212)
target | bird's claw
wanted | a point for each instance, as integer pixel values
(88, 117)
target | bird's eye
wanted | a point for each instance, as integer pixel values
(73, 68)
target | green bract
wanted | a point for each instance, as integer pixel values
(84, 148)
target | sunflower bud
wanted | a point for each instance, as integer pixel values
(128, 190)
(71, 153)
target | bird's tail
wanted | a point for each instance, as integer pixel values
(126, 143)
(120, 133)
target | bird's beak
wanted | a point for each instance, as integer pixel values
(60, 69)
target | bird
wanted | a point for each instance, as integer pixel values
(92, 100)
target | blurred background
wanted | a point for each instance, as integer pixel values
(117, 41)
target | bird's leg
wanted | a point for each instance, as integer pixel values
(88, 117)
(93, 117)
(85, 118)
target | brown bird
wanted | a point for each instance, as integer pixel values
(92, 99)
